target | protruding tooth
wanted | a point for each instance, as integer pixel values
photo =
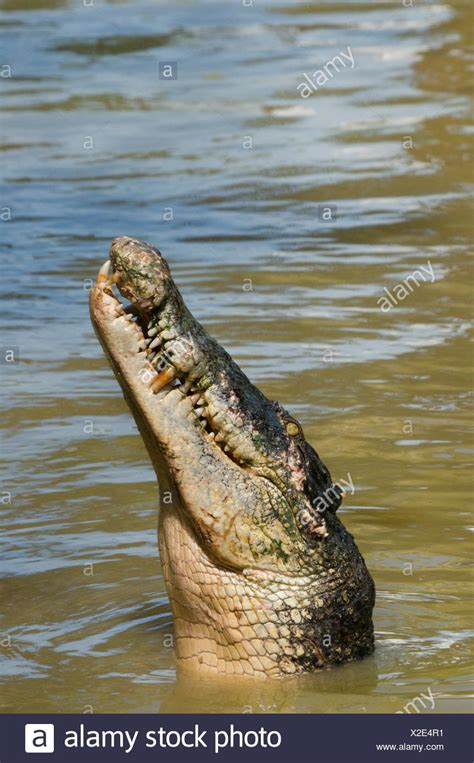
(201, 401)
(195, 398)
(164, 378)
(156, 342)
(219, 437)
(153, 331)
(212, 435)
(132, 326)
(105, 273)
(199, 411)
(226, 449)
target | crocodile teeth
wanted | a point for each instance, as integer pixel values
(163, 378)
(212, 435)
(152, 332)
(199, 411)
(155, 343)
(133, 326)
(226, 449)
(219, 437)
(105, 273)
(155, 359)
(195, 398)
(185, 387)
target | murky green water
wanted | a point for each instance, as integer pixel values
(97, 145)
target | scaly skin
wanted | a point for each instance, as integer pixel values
(263, 578)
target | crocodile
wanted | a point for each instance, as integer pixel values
(262, 576)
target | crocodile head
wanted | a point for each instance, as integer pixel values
(263, 578)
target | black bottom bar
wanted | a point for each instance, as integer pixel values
(299, 738)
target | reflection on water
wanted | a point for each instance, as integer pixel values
(95, 144)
